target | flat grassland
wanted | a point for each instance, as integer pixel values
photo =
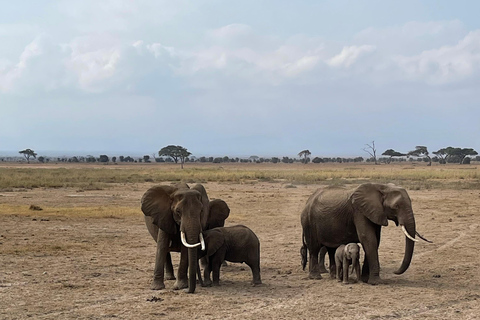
(88, 254)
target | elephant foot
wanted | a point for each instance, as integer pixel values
(216, 283)
(180, 284)
(374, 280)
(157, 285)
(207, 283)
(170, 276)
(314, 276)
(256, 283)
(322, 269)
(345, 282)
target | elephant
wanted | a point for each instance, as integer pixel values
(337, 215)
(176, 216)
(347, 255)
(235, 244)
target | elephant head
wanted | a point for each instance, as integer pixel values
(380, 203)
(352, 252)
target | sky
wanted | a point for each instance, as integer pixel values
(238, 78)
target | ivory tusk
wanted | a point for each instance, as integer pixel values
(421, 237)
(202, 242)
(407, 235)
(186, 244)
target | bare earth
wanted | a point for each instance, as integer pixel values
(61, 267)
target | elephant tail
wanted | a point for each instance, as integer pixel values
(303, 252)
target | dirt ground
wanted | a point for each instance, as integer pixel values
(63, 267)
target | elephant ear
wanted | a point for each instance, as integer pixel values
(205, 201)
(218, 213)
(156, 203)
(368, 199)
(214, 239)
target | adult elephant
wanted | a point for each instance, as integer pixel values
(175, 217)
(336, 215)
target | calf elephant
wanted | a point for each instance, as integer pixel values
(336, 215)
(234, 244)
(176, 216)
(345, 256)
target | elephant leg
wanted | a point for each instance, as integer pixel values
(331, 257)
(357, 270)
(313, 267)
(206, 273)
(345, 271)
(371, 266)
(163, 241)
(169, 274)
(321, 262)
(216, 264)
(182, 280)
(255, 266)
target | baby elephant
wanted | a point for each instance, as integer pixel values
(345, 256)
(234, 244)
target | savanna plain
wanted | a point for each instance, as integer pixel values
(88, 255)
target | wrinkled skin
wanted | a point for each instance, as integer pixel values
(345, 256)
(170, 210)
(234, 244)
(335, 215)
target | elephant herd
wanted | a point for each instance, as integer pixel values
(183, 219)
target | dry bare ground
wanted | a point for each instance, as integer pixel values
(56, 266)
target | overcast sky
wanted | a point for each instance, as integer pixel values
(239, 78)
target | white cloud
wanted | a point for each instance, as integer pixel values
(446, 64)
(350, 55)
(93, 61)
(11, 73)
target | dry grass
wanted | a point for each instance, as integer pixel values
(86, 177)
(81, 212)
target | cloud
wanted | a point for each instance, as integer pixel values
(350, 55)
(11, 73)
(93, 60)
(445, 64)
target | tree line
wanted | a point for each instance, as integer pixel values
(179, 154)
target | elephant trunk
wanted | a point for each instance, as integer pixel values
(409, 226)
(191, 241)
(192, 269)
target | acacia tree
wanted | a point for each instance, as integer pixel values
(305, 154)
(421, 151)
(371, 150)
(392, 153)
(175, 152)
(27, 153)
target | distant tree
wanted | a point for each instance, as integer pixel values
(218, 160)
(421, 151)
(275, 160)
(305, 154)
(458, 155)
(371, 150)
(41, 159)
(90, 159)
(253, 158)
(121, 158)
(114, 159)
(146, 158)
(317, 160)
(175, 152)
(392, 153)
(28, 153)
(103, 158)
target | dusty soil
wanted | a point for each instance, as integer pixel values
(65, 267)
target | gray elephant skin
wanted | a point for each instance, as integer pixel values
(233, 244)
(347, 255)
(337, 215)
(176, 216)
